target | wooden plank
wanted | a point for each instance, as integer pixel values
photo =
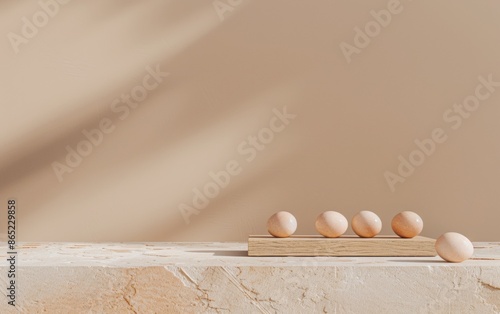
(312, 245)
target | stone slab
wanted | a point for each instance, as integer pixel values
(221, 278)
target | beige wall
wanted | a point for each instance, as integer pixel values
(228, 70)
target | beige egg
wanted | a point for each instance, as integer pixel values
(407, 224)
(331, 224)
(282, 224)
(366, 224)
(454, 247)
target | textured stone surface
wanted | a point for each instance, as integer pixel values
(219, 277)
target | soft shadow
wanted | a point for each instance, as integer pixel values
(222, 252)
(423, 261)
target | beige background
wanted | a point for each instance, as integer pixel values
(226, 76)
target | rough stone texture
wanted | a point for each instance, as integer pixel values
(220, 278)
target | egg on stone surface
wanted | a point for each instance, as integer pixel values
(407, 224)
(366, 224)
(331, 224)
(282, 224)
(454, 247)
